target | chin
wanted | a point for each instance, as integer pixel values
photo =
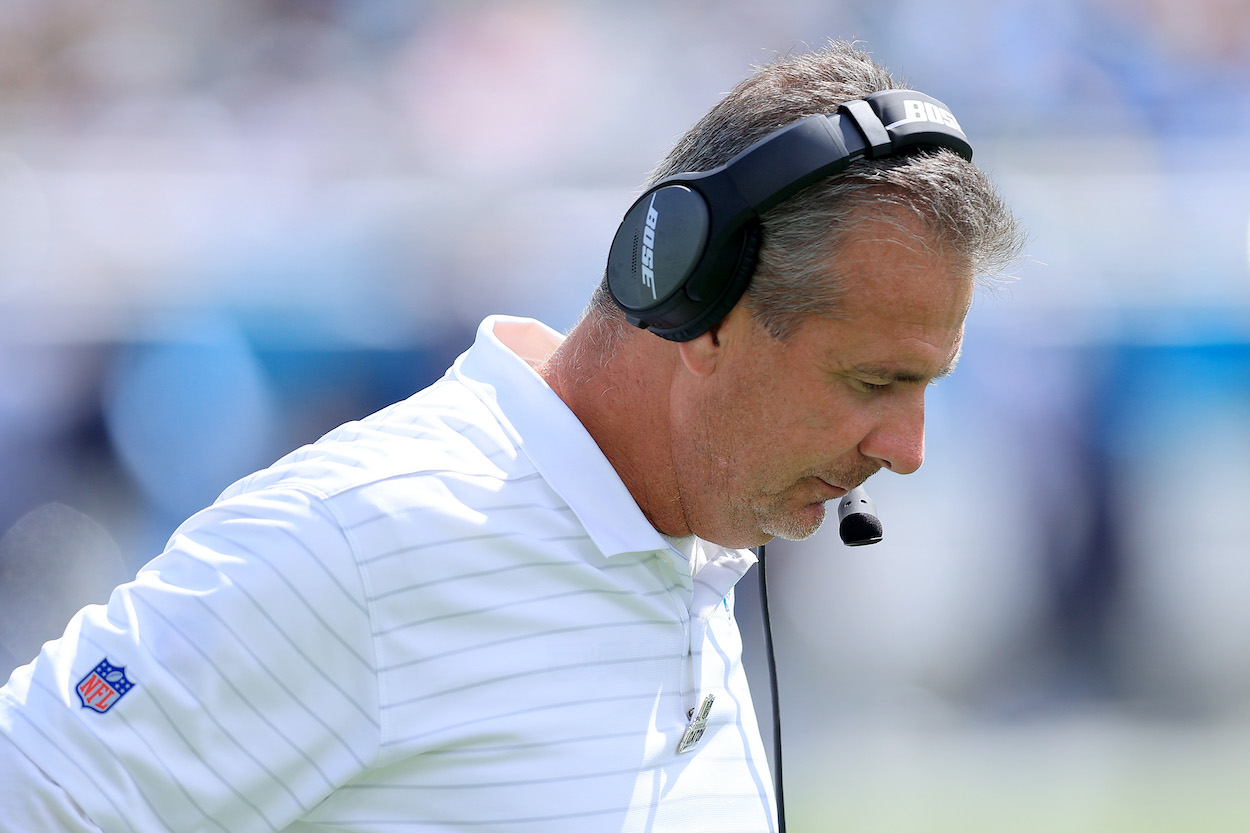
(798, 525)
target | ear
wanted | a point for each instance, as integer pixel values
(702, 354)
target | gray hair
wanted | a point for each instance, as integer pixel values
(953, 198)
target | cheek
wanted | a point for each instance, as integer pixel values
(810, 407)
(824, 426)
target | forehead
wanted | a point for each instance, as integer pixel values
(890, 261)
(903, 299)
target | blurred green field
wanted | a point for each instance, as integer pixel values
(1088, 775)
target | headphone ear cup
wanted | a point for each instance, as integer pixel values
(735, 271)
(657, 251)
(753, 238)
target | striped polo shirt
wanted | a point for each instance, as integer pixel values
(448, 616)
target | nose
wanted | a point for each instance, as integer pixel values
(897, 437)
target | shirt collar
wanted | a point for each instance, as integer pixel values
(499, 369)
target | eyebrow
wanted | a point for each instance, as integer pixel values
(886, 373)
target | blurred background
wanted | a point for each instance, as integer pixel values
(227, 227)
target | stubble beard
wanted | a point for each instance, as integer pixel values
(776, 517)
(778, 522)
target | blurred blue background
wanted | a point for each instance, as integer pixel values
(227, 227)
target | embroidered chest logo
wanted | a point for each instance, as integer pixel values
(103, 686)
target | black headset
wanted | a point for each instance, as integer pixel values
(687, 248)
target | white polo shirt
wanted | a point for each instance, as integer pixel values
(448, 616)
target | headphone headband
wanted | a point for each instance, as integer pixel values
(686, 250)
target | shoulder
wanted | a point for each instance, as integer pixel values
(442, 430)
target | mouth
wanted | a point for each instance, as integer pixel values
(834, 490)
(831, 490)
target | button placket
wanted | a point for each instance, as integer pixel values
(712, 584)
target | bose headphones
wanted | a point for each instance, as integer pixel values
(686, 250)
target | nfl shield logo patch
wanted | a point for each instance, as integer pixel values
(103, 686)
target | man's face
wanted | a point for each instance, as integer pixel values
(765, 431)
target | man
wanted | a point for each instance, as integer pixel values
(506, 603)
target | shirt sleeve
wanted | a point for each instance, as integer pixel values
(231, 686)
(30, 800)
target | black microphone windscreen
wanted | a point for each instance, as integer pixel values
(860, 528)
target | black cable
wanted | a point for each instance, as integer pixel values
(772, 685)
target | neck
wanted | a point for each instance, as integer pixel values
(616, 380)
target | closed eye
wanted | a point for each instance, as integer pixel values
(865, 386)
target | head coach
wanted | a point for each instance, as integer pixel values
(506, 603)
